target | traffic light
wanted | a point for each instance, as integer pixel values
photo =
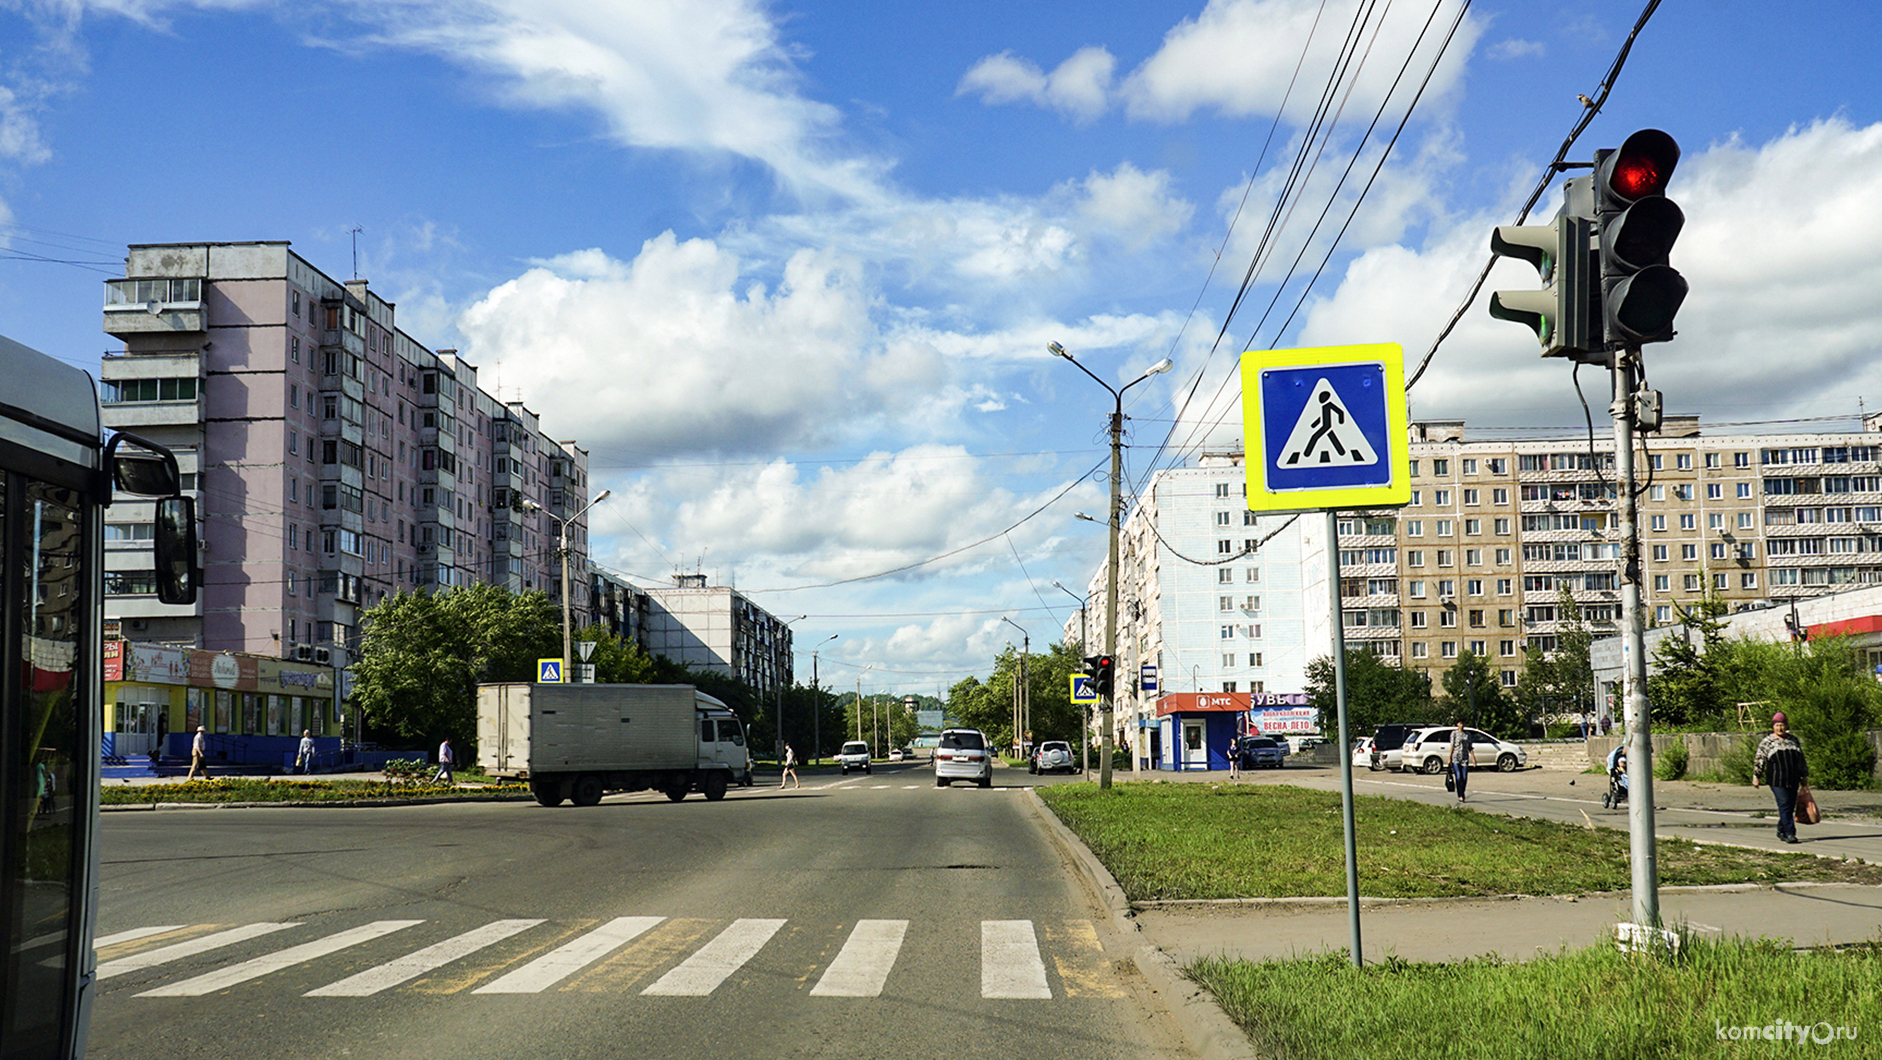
(1103, 672)
(1564, 313)
(1640, 292)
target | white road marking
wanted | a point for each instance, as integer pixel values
(1010, 965)
(864, 962)
(564, 961)
(224, 978)
(133, 935)
(702, 973)
(413, 965)
(185, 949)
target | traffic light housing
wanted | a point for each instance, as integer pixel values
(1565, 312)
(1640, 292)
(1103, 672)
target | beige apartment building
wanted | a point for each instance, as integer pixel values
(1497, 529)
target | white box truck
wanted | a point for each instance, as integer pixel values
(579, 742)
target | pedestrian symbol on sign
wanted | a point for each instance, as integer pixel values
(1325, 434)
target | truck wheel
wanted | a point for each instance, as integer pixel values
(715, 786)
(677, 791)
(548, 792)
(587, 790)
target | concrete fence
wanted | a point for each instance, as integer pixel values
(1705, 751)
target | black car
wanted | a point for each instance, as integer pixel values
(1389, 738)
(1258, 751)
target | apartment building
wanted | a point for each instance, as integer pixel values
(715, 627)
(1496, 531)
(335, 458)
(1217, 598)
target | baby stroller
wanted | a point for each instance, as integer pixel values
(1617, 783)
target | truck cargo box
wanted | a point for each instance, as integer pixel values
(544, 728)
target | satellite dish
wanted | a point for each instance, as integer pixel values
(153, 307)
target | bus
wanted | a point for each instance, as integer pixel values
(57, 475)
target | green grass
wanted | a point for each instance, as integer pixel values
(264, 789)
(1589, 1004)
(1196, 841)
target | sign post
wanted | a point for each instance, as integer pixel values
(1327, 429)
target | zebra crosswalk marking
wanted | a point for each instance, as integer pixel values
(1010, 965)
(224, 978)
(1084, 972)
(558, 964)
(132, 935)
(865, 960)
(659, 949)
(152, 958)
(413, 965)
(702, 973)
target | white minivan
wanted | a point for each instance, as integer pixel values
(854, 755)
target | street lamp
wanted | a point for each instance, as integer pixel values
(1117, 471)
(562, 546)
(816, 702)
(1022, 700)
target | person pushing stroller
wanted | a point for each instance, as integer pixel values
(1617, 778)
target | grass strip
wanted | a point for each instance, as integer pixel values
(265, 789)
(1714, 998)
(1199, 841)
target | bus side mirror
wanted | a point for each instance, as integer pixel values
(178, 574)
(144, 468)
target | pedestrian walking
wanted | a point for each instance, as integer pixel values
(1780, 762)
(199, 751)
(1235, 758)
(1607, 723)
(304, 758)
(446, 759)
(790, 768)
(1461, 752)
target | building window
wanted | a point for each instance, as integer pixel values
(1414, 528)
(1448, 649)
(1440, 466)
(1419, 648)
(1660, 583)
(1221, 518)
(1715, 491)
(1254, 658)
(1221, 489)
(1473, 527)
(1414, 557)
(1502, 555)
(1748, 580)
(1249, 518)
(1225, 603)
(1444, 557)
(1470, 468)
(1418, 619)
(1224, 575)
(1444, 528)
(1254, 574)
(1441, 498)
(1226, 548)
(1228, 632)
(1473, 586)
(1228, 660)
(1504, 586)
(1447, 619)
(1657, 522)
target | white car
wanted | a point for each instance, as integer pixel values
(963, 754)
(1362, 753)
(854, 755)
(896, 754)
(1053, 756)
(1427, 750)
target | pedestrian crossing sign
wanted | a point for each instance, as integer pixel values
(1084, 690)
(1326, 428)
(549, 671)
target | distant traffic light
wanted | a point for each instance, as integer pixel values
(1640, 292)
(1564, 313)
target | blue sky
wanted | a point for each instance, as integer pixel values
(788, 270)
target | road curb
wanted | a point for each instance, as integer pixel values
(1369, 901)
(332, 804)
(1192, 1008)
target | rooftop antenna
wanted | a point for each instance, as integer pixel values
(356, 230)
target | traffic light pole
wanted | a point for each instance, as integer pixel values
(1646, 873)
(1106, 713)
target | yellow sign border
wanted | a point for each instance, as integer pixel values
(1393, 494)
(1093, 698)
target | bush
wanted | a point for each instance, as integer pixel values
(408, 770)
(1830, 719)
(1671, 763)
(1735, 763)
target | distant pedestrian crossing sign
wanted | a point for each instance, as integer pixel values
(549, 671)
(1326, 428)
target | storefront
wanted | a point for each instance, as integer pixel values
(253, 708)
(1194, 729)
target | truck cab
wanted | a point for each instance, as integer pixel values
(722, 744)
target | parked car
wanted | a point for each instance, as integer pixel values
(1386, 741)
(1428, 750)
(963, 754)
(1303, 744)
(854, 755)
(1258, 751)
(1053, 756)
(1362, 752)
(896, 754)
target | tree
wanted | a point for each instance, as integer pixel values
(1473, 695)
(423, 655)
(617, 661)
(1686, 685)
(1377, 693)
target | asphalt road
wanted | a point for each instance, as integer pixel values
(868, 915)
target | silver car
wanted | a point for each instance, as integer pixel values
(854, 755)
(1053, 756)
(963, 754)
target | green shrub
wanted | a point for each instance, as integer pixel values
(1830, 718)
(409, 770)
(1735, 763)
(1671, 763)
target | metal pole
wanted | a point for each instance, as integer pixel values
(567, 648)
(1646, 874)
(1346, 752)
(1107, 711)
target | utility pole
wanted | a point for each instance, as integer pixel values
(1640, 842)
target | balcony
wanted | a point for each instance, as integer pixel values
(154, 306)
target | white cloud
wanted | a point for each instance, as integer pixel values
(1079, 87)
(1239, 57)
(677, 351)
(1133, 207)
(1515, 48)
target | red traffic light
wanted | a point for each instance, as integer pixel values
(1641, 167)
